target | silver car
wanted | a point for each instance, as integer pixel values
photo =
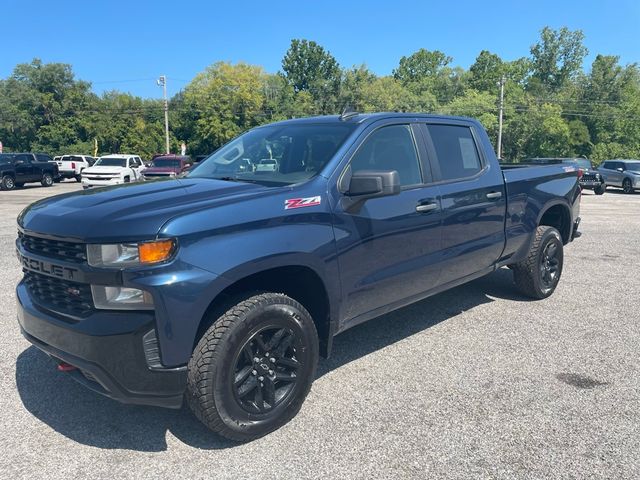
(621, 173)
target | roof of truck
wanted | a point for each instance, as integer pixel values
(360, 118)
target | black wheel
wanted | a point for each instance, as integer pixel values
(538, 275)
(7, 183)
(600, 189)
(47, 180)
(253, 368)
(627, 186)
(127, 180)
(78, 178)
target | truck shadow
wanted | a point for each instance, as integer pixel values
(87, 418)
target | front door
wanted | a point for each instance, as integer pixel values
(24, 169)
(388, 247)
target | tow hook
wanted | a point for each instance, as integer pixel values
(66, 367)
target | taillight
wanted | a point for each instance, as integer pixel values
(580, 173)
(73, 165)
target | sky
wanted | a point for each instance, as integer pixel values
(126, 45)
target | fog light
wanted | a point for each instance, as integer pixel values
(121, 298)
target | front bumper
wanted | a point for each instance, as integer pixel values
(94, 182)
(111, 350)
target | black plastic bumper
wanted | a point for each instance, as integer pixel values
(107, 349)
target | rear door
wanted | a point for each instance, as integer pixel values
(388, 247)
(473, 199)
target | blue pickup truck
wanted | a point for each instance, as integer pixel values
(224, 287)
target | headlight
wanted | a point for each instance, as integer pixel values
(121, 298)
(122, 255)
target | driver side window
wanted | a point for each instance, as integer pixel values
(390, 148)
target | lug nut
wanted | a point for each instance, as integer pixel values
(254, 372)
(273, 360)
(261, 379)
(266, 354)
(270, 372)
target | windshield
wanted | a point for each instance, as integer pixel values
(166, 163)
(633, 166)
(111, 162)
(582, 163)
(276, 155)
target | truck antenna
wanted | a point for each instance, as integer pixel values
(347, 113)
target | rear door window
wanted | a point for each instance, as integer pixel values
(456, 152)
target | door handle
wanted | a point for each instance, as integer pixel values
(493, 195)
(426, 207)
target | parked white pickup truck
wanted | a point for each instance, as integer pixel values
(71, 166)
(113, 170)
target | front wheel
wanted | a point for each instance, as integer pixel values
(626, 186)
(538, 276)
(78, 178)
(600, 189)
(47, 180)
(253, 368)
(7, 183)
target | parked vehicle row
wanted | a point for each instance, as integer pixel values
(621, 173)
(17, 169)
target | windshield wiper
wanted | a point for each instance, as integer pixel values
(235, 179)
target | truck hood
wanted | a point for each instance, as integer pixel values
(129, 212)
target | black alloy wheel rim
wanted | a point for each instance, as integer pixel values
(266, 369)
(550, 265)
(9, 183)
(627, 186)
(48, 179)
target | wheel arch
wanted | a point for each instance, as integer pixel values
(300, 282)
(557, 215)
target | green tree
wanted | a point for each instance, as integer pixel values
(308, 67)
(556, 58)
(486, 71)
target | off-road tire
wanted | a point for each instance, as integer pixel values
(212, 379)
(528, 274)
(7, 183)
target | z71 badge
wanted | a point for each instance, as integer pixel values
(301, 202)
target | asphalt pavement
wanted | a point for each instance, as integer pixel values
(477, 382)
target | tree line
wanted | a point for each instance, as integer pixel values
(553, 107)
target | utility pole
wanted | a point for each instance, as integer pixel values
(162, 82)
(499, 146)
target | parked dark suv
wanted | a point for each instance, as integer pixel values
(16, 169)
(591, 179)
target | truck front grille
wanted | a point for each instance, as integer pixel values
(68, 251)
(59, 295)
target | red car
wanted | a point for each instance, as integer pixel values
(167, 166)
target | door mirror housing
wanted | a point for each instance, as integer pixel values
(373, 184)
(620, 169)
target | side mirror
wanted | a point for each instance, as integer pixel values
(373, 184)
(620, 169)
(19, 162)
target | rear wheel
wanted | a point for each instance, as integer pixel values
(538, 275)
(627, 186)
(7, 183)
(47, 180)
(253, 368)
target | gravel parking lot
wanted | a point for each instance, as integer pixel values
(475, 382)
